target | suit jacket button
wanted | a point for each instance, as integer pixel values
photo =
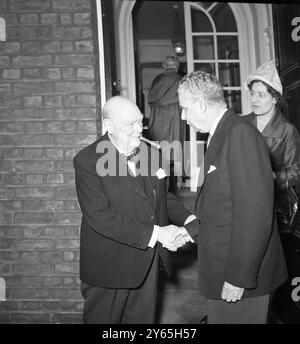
(152, 218)
(199, 221)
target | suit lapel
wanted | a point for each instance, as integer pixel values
(214, 146)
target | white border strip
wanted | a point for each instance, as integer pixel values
(101, 57)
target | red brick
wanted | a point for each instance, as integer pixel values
(33, 88)
(35, 101)
(33, 257)
(4, 61)
(28, 114)
(67, 318)
(52, 282)
(74, 59)
(67, 294)
(10, 205)
(86, 99)
(34, 218)
(72, 205)
(10, 47)
(32, 245)
(29, 317)
(67, 243)
(11, 73)
(65, 19)
(71, 4)
(13, 231)
(55, 127)
(29, 19)
(69, 73)
(34, 166)
(34, 179)
(84, 46)
(31, 74)
(64, 166)
(53, 231)
(5, 218)
(54, 153)
(71, 139)
(32, 5)
(32, 204)
(67, 47)
(32, 60)
(5, 269)
(54, 205)
(32, 269)
(52, 257)
(31, 232)
(36, 127)
(9, 306)
(51, 47)
(82, 18)
(85, 73)
(53, 101)
(52, 73)
(34, 140)
(26, 281)
(9, 257)
(65, 192)
(69, 101)
(49, 18)
(55, 178)
(71, 126)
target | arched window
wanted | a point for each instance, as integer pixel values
(212, 40)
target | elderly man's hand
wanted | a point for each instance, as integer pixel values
(230, 293)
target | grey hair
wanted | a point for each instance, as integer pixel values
(204, 86)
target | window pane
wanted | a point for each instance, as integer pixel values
(223, 18)
(229, 74)
(228, 47)
(200, 22)
(233, 100)
(203, 48)
(205, 67)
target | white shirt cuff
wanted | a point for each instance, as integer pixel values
(154, 236)
(188, 220)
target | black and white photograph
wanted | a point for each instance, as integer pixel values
(149, 165)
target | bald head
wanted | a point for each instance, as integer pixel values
(123, 121)
(118, 106)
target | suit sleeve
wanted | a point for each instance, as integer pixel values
(101, 216)
(251, 185)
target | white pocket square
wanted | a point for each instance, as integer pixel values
(161, 173)
(211, 168)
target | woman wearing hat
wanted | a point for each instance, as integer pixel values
(281, 137)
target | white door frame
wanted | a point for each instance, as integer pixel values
(254, 23)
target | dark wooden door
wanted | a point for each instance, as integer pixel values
(111, 82)
(286, 20)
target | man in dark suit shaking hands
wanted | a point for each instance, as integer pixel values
(125, 221)
(240, 258)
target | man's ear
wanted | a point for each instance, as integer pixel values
(202, 105)
(108, 125)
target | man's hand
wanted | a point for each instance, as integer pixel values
(173, 237)
(230, 293)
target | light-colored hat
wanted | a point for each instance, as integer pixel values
(170, 62)
(267, 73)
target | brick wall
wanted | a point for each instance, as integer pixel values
(48, 108)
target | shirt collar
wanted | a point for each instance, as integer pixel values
(118, 149)
(215, 124)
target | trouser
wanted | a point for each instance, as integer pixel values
(122, 306)
(252, 310)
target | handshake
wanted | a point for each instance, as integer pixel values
(173, 237)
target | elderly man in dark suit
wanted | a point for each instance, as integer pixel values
(240, 258)
(125, 224)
